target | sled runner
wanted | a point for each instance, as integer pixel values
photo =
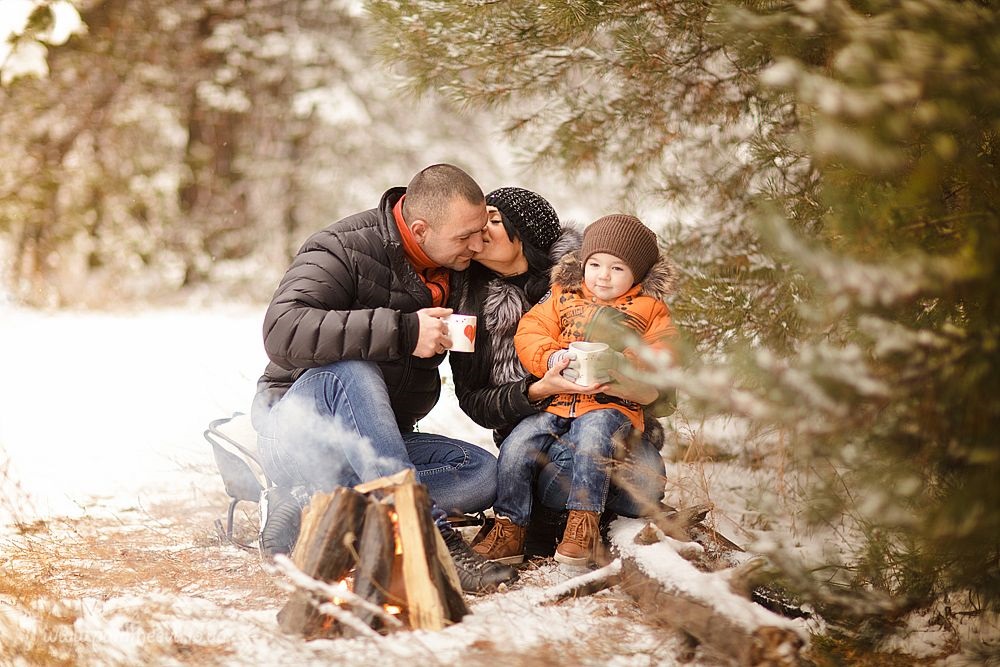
(234, 444)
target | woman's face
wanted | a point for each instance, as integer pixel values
(499, 253)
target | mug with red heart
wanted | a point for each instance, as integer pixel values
(462, 331)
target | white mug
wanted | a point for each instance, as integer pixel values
(588, 355)
(462, 331)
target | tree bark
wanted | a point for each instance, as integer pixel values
(672, 592)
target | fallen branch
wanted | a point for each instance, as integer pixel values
(585, 584)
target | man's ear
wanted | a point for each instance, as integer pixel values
(419, 229)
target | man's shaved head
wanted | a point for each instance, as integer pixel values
(432, 190)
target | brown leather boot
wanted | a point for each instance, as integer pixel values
(581, 539)
(504, 543)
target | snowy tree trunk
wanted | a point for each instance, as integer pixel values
(703, 605)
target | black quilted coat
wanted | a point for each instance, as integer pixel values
(350, 293)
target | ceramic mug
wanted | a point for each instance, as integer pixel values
(462, 331)
(590, 357)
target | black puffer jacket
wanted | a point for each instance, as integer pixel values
(350, 293)
(490, 383)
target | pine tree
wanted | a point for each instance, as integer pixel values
(899, 368)
(858, 313)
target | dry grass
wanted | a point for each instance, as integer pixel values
(137, 552)
(49, 570)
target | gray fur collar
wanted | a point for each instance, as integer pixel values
(659, 283)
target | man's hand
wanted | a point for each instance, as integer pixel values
(433, 337)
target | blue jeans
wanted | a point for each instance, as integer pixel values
(590, 441)
(637, 479)
(335, 427)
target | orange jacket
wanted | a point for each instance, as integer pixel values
(562, 316)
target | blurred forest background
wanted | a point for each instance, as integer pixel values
(824, 172)
(188, 148)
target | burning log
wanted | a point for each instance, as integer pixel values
(325, 551)
(383, 531)
(376, 554)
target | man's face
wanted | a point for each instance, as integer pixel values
(455, 239)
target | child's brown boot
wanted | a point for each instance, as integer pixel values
(581, 539)
(504, 543)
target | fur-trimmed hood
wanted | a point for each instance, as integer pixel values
(659, 283)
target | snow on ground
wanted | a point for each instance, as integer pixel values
(108, 493)
(113, 490)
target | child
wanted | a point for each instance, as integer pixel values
(623, 280)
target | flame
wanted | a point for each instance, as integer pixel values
(344, 586)
(394, 517)
(393, 609)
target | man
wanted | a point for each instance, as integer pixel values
(355, 335)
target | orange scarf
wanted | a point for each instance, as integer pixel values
(436, 278)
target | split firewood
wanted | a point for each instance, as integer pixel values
(404, 476)
(376, 553)
(383, 531)
(325, 551)
(432, 601)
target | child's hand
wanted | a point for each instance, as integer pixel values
(555, 381)
(560, 358)
(627, 387)
(608, 361)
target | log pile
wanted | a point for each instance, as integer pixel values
(380, 538)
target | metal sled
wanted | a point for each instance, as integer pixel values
(234, 444)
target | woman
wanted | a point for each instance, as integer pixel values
(522, 241)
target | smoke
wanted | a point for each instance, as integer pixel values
(312, 449)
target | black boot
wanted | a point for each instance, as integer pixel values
(476, 574)
(281, 519)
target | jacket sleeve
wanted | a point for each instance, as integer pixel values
(492, 406)
(537, 334)
(310, 321)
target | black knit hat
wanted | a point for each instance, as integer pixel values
(625, 237)
(530, 214)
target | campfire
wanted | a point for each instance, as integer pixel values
(369, 559)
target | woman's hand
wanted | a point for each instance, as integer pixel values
(553, 383)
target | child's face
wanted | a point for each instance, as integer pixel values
(607, 276)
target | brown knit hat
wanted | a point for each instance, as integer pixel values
(625, 237)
